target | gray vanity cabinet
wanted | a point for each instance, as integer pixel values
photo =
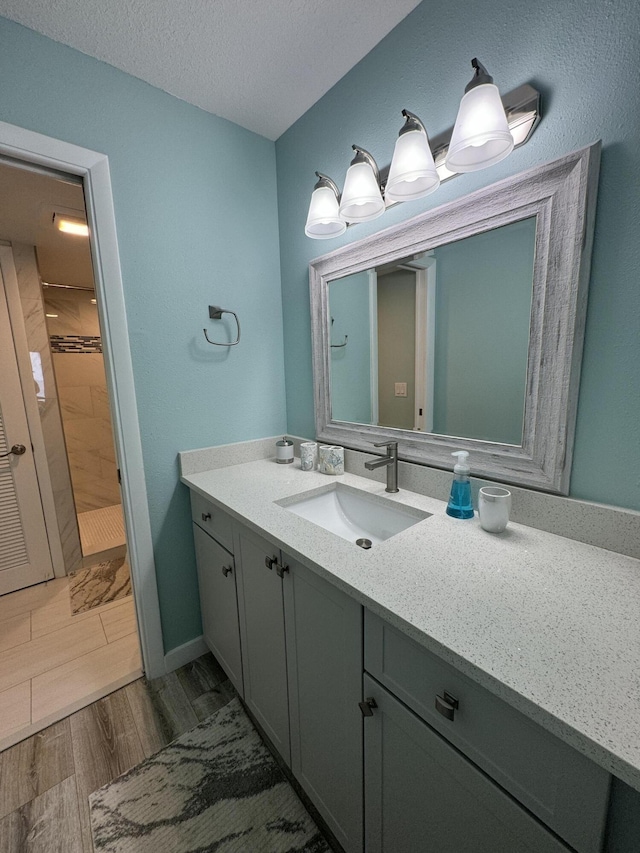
(262, 634)
(324, 663)
(446, 764)
(422, 794)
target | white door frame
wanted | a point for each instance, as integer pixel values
(425, 345)
(93, 167)
(373, 342)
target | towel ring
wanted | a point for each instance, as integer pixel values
(215, 313)
(338, 346)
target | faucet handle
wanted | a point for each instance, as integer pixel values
(386, 444)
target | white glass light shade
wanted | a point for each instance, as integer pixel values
(361, 197)
(323, 219)
(413, 173)
(481, 135)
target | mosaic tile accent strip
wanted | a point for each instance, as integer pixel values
(76, 343)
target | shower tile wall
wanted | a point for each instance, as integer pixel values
(38, 341)
(84, 404)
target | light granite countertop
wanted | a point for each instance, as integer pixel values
(550, 625)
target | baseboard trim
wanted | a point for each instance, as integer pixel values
(185, 653)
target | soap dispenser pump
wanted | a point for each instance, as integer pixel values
(460, 505)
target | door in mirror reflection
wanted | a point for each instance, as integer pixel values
(438, 342)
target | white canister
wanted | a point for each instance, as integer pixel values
(284, 451)
(331, 459)
(308, 455)
(494, 506)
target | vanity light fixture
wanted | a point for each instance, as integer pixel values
(481, 135)
(412, 173)
(323, 219)
(362, 198)
(71, 224)
(487, 129)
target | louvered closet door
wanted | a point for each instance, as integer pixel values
(25, 558)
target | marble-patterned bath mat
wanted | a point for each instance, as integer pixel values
(99, 584)
(215, 788)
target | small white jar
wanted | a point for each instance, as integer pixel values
(284, 451)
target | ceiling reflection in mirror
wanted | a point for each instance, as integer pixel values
(437, 342)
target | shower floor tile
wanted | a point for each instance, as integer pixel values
(101, 529)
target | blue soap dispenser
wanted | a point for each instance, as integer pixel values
(460, 505)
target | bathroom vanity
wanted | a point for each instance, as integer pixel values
(446, 688)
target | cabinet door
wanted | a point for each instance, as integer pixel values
(219, 604)
(422, 794)
(324, 662)
(263, 643)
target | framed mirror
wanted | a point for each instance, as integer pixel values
(462, 328)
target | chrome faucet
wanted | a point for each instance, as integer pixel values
(391, 461)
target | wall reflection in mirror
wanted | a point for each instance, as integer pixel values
(438, 342)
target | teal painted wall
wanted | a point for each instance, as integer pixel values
(483, 309)
(582, 56)
(351, 365)
(195, 205)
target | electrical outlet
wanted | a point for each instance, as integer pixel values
(401, 389)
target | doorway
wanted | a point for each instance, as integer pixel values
(31, 151)
(62, 641)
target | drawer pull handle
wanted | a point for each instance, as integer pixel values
(226, 570)
(206, 516)
(270, 561)
(367, 707)
(446, 705)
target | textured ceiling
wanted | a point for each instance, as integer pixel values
(259, 64)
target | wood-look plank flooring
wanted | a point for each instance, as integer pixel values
(45, 781)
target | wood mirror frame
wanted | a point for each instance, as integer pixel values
(562, 195)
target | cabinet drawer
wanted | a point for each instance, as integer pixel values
(216, 522)
(567, 791)
(421, 794)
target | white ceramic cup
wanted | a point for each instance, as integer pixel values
(494, 506)
(308, 455)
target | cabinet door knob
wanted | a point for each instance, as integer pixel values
(281, 571)
(206, 516)
(367, 706)
(270, 561)
(226, 570)
(446, 705)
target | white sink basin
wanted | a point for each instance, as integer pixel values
(353, 514)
